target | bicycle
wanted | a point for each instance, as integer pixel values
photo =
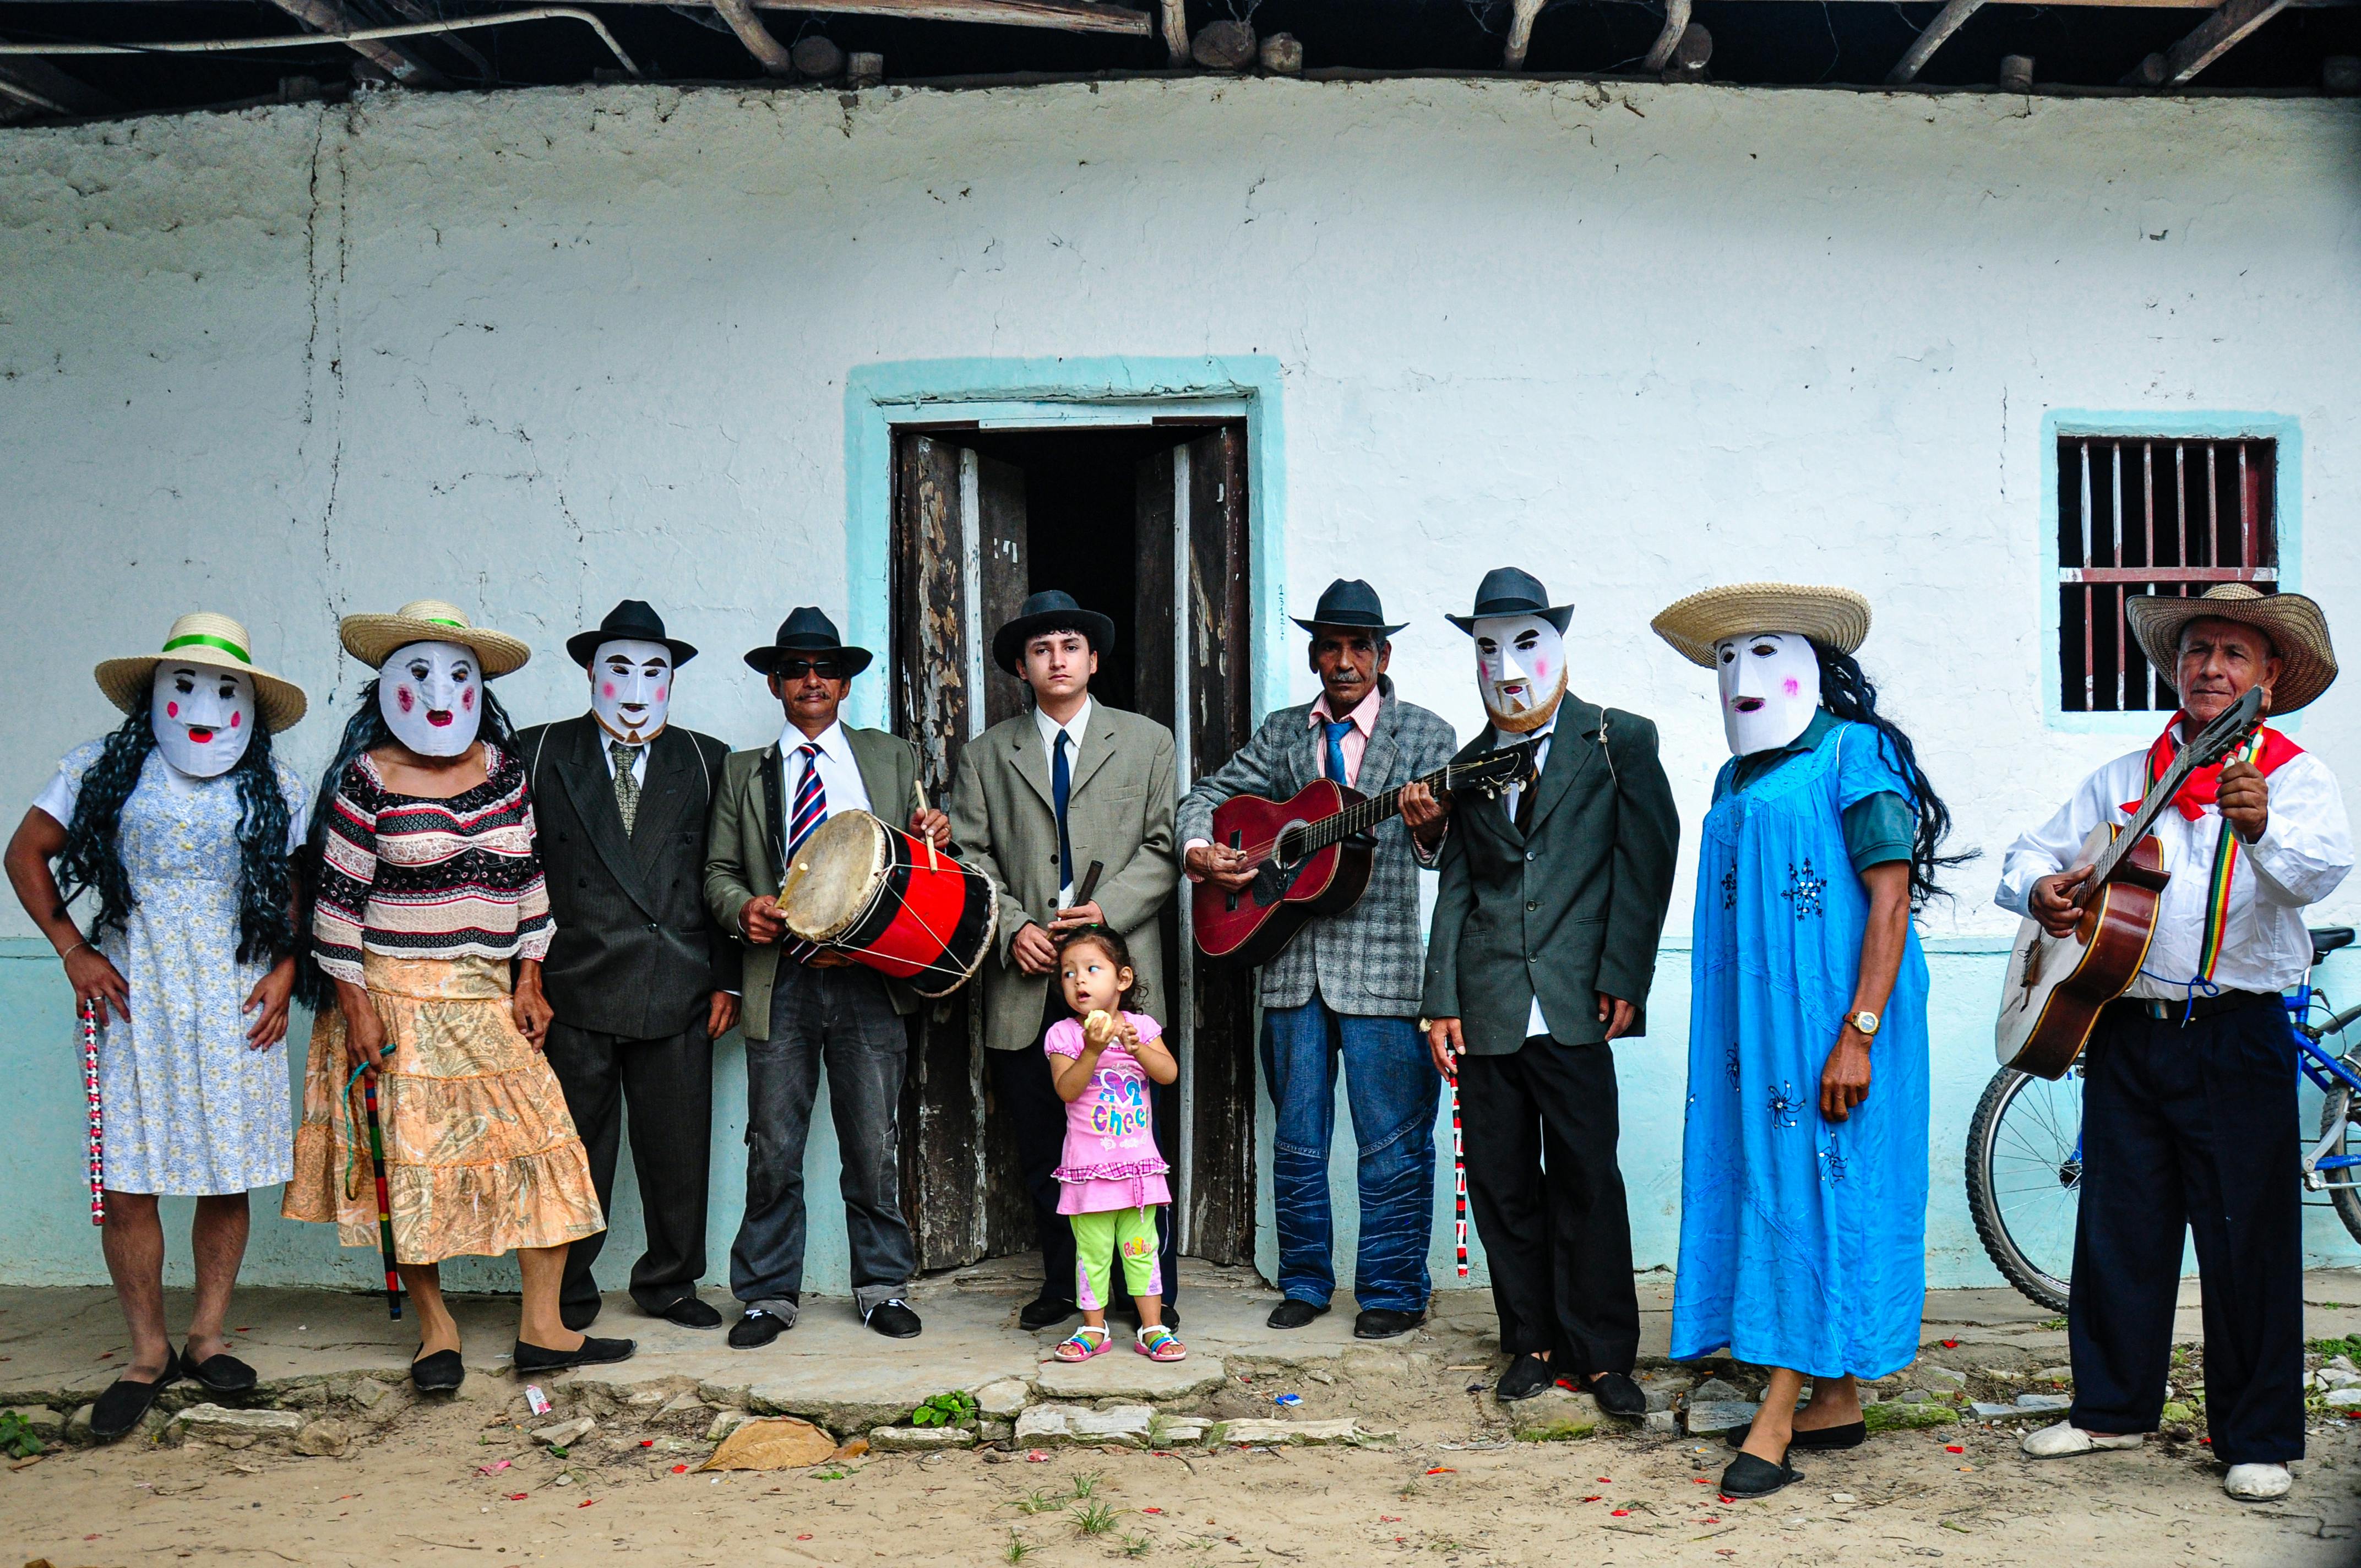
(2025, 1146)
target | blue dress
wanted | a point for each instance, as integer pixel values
(1803, 1241)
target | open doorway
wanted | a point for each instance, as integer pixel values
(1148, 525)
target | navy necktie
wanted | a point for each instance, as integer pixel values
(1337, 730)
(1061, 786)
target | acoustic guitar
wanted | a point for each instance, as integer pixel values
(2056, 986)
(1312, 854)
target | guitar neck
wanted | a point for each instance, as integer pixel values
(2151, 806)
(1361, 816)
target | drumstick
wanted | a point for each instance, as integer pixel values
(792, 872)
(90, 1087)
(918, 791)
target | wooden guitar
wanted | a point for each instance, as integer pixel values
(2056, 986)
(1311, 855)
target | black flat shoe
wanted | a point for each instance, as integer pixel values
(1822, 1440)
(1294, 1314)
(688, 1313)
(579, 1315)
(1045, 1311)
(590, 1352)
(1526, 1376)
(223, 1374)
(1618, 1395)
(1751, 1478)
(441, 1372)
(756, 1329)
(892, 1319)
(1384, 1323)
(120, 1409)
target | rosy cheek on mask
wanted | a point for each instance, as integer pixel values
(405, 698)
(468, 699)
(174, 709)
(607, 692)
(1795, 686)
(663, 693)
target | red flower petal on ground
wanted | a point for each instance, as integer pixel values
(1950, 1345)
(1621, 1513)
(680, 1469)
(516, 1497)
(586, 1502)
(1953, 1448)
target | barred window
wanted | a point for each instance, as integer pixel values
(2142, 514)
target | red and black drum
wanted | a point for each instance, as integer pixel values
(864, 888)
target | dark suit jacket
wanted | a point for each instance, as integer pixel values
(635, 953)
(745, 850)
(1570, 909)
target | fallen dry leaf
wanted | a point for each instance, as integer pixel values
(782, 1442)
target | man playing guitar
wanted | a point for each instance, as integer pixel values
(2189, 1104)
(1349, 983)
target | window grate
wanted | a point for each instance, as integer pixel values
(2142, 514)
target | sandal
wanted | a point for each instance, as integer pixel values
(1159, 1344)
(1077, 1346)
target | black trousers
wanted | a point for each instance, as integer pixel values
(668, 1085)
(2191, 1129)
(1027, 1094)
(1540, 1125)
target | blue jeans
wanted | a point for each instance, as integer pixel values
(1392, 1086)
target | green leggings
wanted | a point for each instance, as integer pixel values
(1096, 1237)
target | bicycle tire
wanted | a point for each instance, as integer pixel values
(2336, 1111)
(2030, 1279)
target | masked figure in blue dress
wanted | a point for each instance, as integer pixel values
(1804, 1169)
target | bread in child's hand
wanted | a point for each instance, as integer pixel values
(1098, 1026)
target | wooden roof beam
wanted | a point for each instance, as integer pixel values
(329, 16)
(2214, 37)
(768, 53)
(1660, 53)
(1950, 19)
(1521, 34)
(31, 88)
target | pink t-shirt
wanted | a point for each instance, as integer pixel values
(1112, 1161)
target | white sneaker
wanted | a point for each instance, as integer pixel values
(2066, 1439)
(2257, 1483)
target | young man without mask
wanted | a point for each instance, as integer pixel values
(184, 822)
(640, 979)
(1543, 948)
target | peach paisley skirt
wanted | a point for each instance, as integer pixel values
(481, 1156)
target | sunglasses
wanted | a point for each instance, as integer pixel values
(797, 669)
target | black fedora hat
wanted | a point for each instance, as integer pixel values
(630, 622)
(1350, 602)
(1507, 591)
(1052, 610)
(807, 632)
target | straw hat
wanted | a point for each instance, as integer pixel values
(216, 642)
(1834, 618)
(2293, 623)
(372, 639)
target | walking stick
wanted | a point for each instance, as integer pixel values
(384, 1203)
(1458, 1182)
(97, 1115)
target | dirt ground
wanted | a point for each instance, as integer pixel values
(424, 1482)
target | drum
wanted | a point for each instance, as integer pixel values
(864, 888)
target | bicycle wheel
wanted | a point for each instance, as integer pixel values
(2336, 1111)
(2025, 1180)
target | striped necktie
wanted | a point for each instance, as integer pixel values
(811, 810)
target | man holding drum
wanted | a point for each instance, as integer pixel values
(805, 1007)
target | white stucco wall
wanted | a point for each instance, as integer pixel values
(536, 351)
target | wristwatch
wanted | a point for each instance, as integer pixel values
(1863, 1021)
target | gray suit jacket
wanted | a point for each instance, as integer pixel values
(1370, 961)
(1119, 813)
(1570, 909)
(745, 853)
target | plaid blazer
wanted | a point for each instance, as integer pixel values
(1370, 961)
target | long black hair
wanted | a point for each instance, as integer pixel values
(366, 731)
(1847, 692)
(93, 856)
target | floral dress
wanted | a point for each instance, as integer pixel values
(190, 1109)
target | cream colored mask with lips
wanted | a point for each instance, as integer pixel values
(203, 717)
(1770, 689)
(631, 689)
(1521, 669)
(431, 694)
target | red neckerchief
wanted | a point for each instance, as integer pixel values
(2203, 785)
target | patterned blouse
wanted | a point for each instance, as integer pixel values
(420, 878)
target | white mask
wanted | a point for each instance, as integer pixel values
(1770, 689)
(631, 689)
(431, 694)
(203, 717)
(1519, 669)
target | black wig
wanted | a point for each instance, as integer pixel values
(93, 858)
(1847, 692)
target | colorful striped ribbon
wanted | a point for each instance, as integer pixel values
(2225, 863)
(384, 1198)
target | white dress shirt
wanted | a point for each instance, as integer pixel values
(1509, 799)
(606, 744)
(839, 775)
(1073, 729)
(2302, 857)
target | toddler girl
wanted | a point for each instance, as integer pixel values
(1112, 1180)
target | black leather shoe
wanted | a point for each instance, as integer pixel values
(756, 1329)
(119, 1410)
(1526, 1376)
(441, 1372)
(591, 1352)
(1618, 1395)
(1045, 1311)
(892, 1319)
(1294, 1314)
(1751, 1478)
(579, 1315)
(1384, 1323)
(1825, 1439)
(223, 1374)
(688, 1313)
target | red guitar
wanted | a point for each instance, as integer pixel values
(1311, 855)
